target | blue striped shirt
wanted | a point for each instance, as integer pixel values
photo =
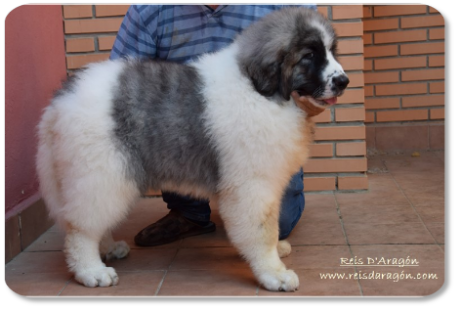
(183, 32)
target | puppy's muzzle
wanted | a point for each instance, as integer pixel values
(340, 82)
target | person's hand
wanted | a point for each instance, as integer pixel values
(304, 104)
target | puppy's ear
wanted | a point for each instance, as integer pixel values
(264, 77)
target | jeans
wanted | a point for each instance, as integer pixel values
(292, 206)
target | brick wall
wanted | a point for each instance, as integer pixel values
(338, 154)
(90, 31)
(404, 77)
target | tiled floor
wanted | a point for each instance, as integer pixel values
(400, 217)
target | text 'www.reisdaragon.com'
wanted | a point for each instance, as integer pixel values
(373, 275)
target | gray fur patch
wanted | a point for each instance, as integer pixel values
(158, 111)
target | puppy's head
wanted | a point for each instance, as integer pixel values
(290, 50)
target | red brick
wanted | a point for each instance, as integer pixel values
(381, 24)
(422, 21)
(400, 89)
(400, 63)
(380, 50)
(423, 101)
(368, 38)
(349, 114)
(351, 149)
(402, 115)
(436, 33)
(423, 75)
(436, 87)
(353, 29)
(370, 117)
(381, 77)
(319, 183)
(111, 10)
(422, 48)
(347, 11)
(352, 96)
(354, 46)
(77, 11)
(437, 114)
(77, 61)
(367, 11)
(382, 103)
(433, 10)
(400, 36)
(397, 10)
(336, 165)
(368, 64)
(368, 90)
(323, 117)
(74, 45)
(92, 25)
(436, 61)
(340, 133)
(321, 150)
(352, 62)
(353, 183)
(106, 43)
(323, 10)
(356, 79)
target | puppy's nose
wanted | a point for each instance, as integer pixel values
(340, 82)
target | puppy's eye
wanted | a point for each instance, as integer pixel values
(309, 55)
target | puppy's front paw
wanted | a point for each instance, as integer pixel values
(285, 280)
(102, 277)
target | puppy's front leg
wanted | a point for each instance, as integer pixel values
(251, 215)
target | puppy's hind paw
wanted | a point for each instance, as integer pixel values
(118, 250)
(284, 248)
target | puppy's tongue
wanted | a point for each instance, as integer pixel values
(331, 101)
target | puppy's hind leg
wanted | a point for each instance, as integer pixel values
(100, 203)
(250, 213)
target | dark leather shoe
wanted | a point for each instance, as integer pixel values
(171, 228)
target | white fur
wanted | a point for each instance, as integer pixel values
(85, 192)
(333, 69)
(261, 143)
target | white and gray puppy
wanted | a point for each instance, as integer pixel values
(223, 125)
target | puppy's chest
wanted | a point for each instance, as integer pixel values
(257, 126)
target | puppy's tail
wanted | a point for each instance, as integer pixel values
(46, 164)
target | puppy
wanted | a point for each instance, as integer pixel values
(223, 125)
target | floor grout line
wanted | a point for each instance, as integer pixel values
(166, 272)
(65, 285)
(161, 283)
(337, 206)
